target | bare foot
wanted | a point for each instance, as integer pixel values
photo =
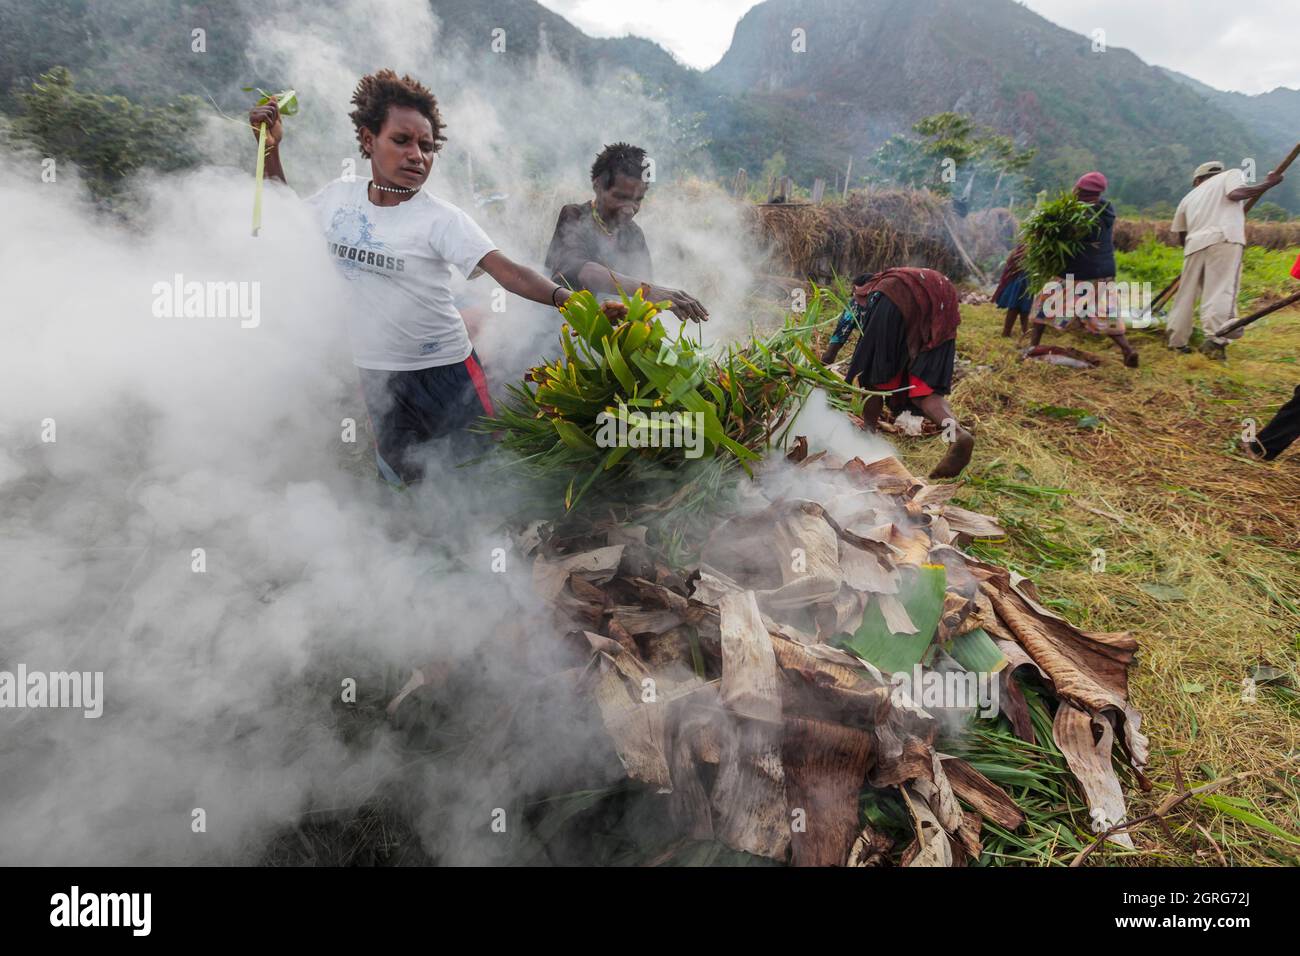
(958, 457)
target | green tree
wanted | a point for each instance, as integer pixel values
(107, 137)
(1270, 212)
(773, 168)
(951, 152)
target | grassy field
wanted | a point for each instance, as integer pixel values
(1201, 550)
(1265, 273)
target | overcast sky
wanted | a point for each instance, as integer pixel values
(1246, 45)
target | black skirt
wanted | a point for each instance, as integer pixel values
(881, 355)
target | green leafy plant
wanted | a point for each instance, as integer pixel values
(1053, 234)
(617, 359)
(922, 596)
(287, 102)
(952, 141)
(108, 137)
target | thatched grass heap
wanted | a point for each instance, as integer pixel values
(1131, 233)
(871, 231)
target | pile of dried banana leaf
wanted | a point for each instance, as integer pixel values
(756, 696)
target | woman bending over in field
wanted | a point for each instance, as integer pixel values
(908, 347)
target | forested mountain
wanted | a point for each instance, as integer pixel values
(818, 81)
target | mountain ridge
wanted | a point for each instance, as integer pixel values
(869, 69)
(1010, 69)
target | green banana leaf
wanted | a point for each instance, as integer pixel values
(922, 595)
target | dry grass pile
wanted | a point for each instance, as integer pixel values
(871, 231)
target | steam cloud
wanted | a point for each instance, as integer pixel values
(222, 688)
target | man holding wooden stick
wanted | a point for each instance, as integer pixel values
(1211, 227)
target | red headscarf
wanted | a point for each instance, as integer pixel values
(1090, 186)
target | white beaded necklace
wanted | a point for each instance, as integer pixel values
(394, 189)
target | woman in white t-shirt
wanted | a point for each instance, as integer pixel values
(396, 245)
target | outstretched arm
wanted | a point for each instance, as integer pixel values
(521, 280)
(572, 259)
(599, 278)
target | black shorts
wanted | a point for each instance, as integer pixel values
(408, 410)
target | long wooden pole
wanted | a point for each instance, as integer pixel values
(961, 251)
(1256, 316)
(1170, 289)
(1290, 158)
(1164, 294)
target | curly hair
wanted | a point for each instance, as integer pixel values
(378, 91)
(618, 159)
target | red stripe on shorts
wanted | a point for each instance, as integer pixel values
(480, 383)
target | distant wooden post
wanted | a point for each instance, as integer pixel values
(740, 185)
(848, 177)
(787, 187)
(961, 251)
(819, 188)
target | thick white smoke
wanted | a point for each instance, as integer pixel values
(199, 530)
(180, 507)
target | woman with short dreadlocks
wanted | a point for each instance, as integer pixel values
(597, 246)
(397, 245)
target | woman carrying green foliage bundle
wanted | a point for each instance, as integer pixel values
(396, 246)
(1070, 257)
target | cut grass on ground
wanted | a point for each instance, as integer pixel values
(1196, 551)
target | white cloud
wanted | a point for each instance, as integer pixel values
(697, 32)
(1233, 47)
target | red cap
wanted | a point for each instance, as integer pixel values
(1093, 183)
